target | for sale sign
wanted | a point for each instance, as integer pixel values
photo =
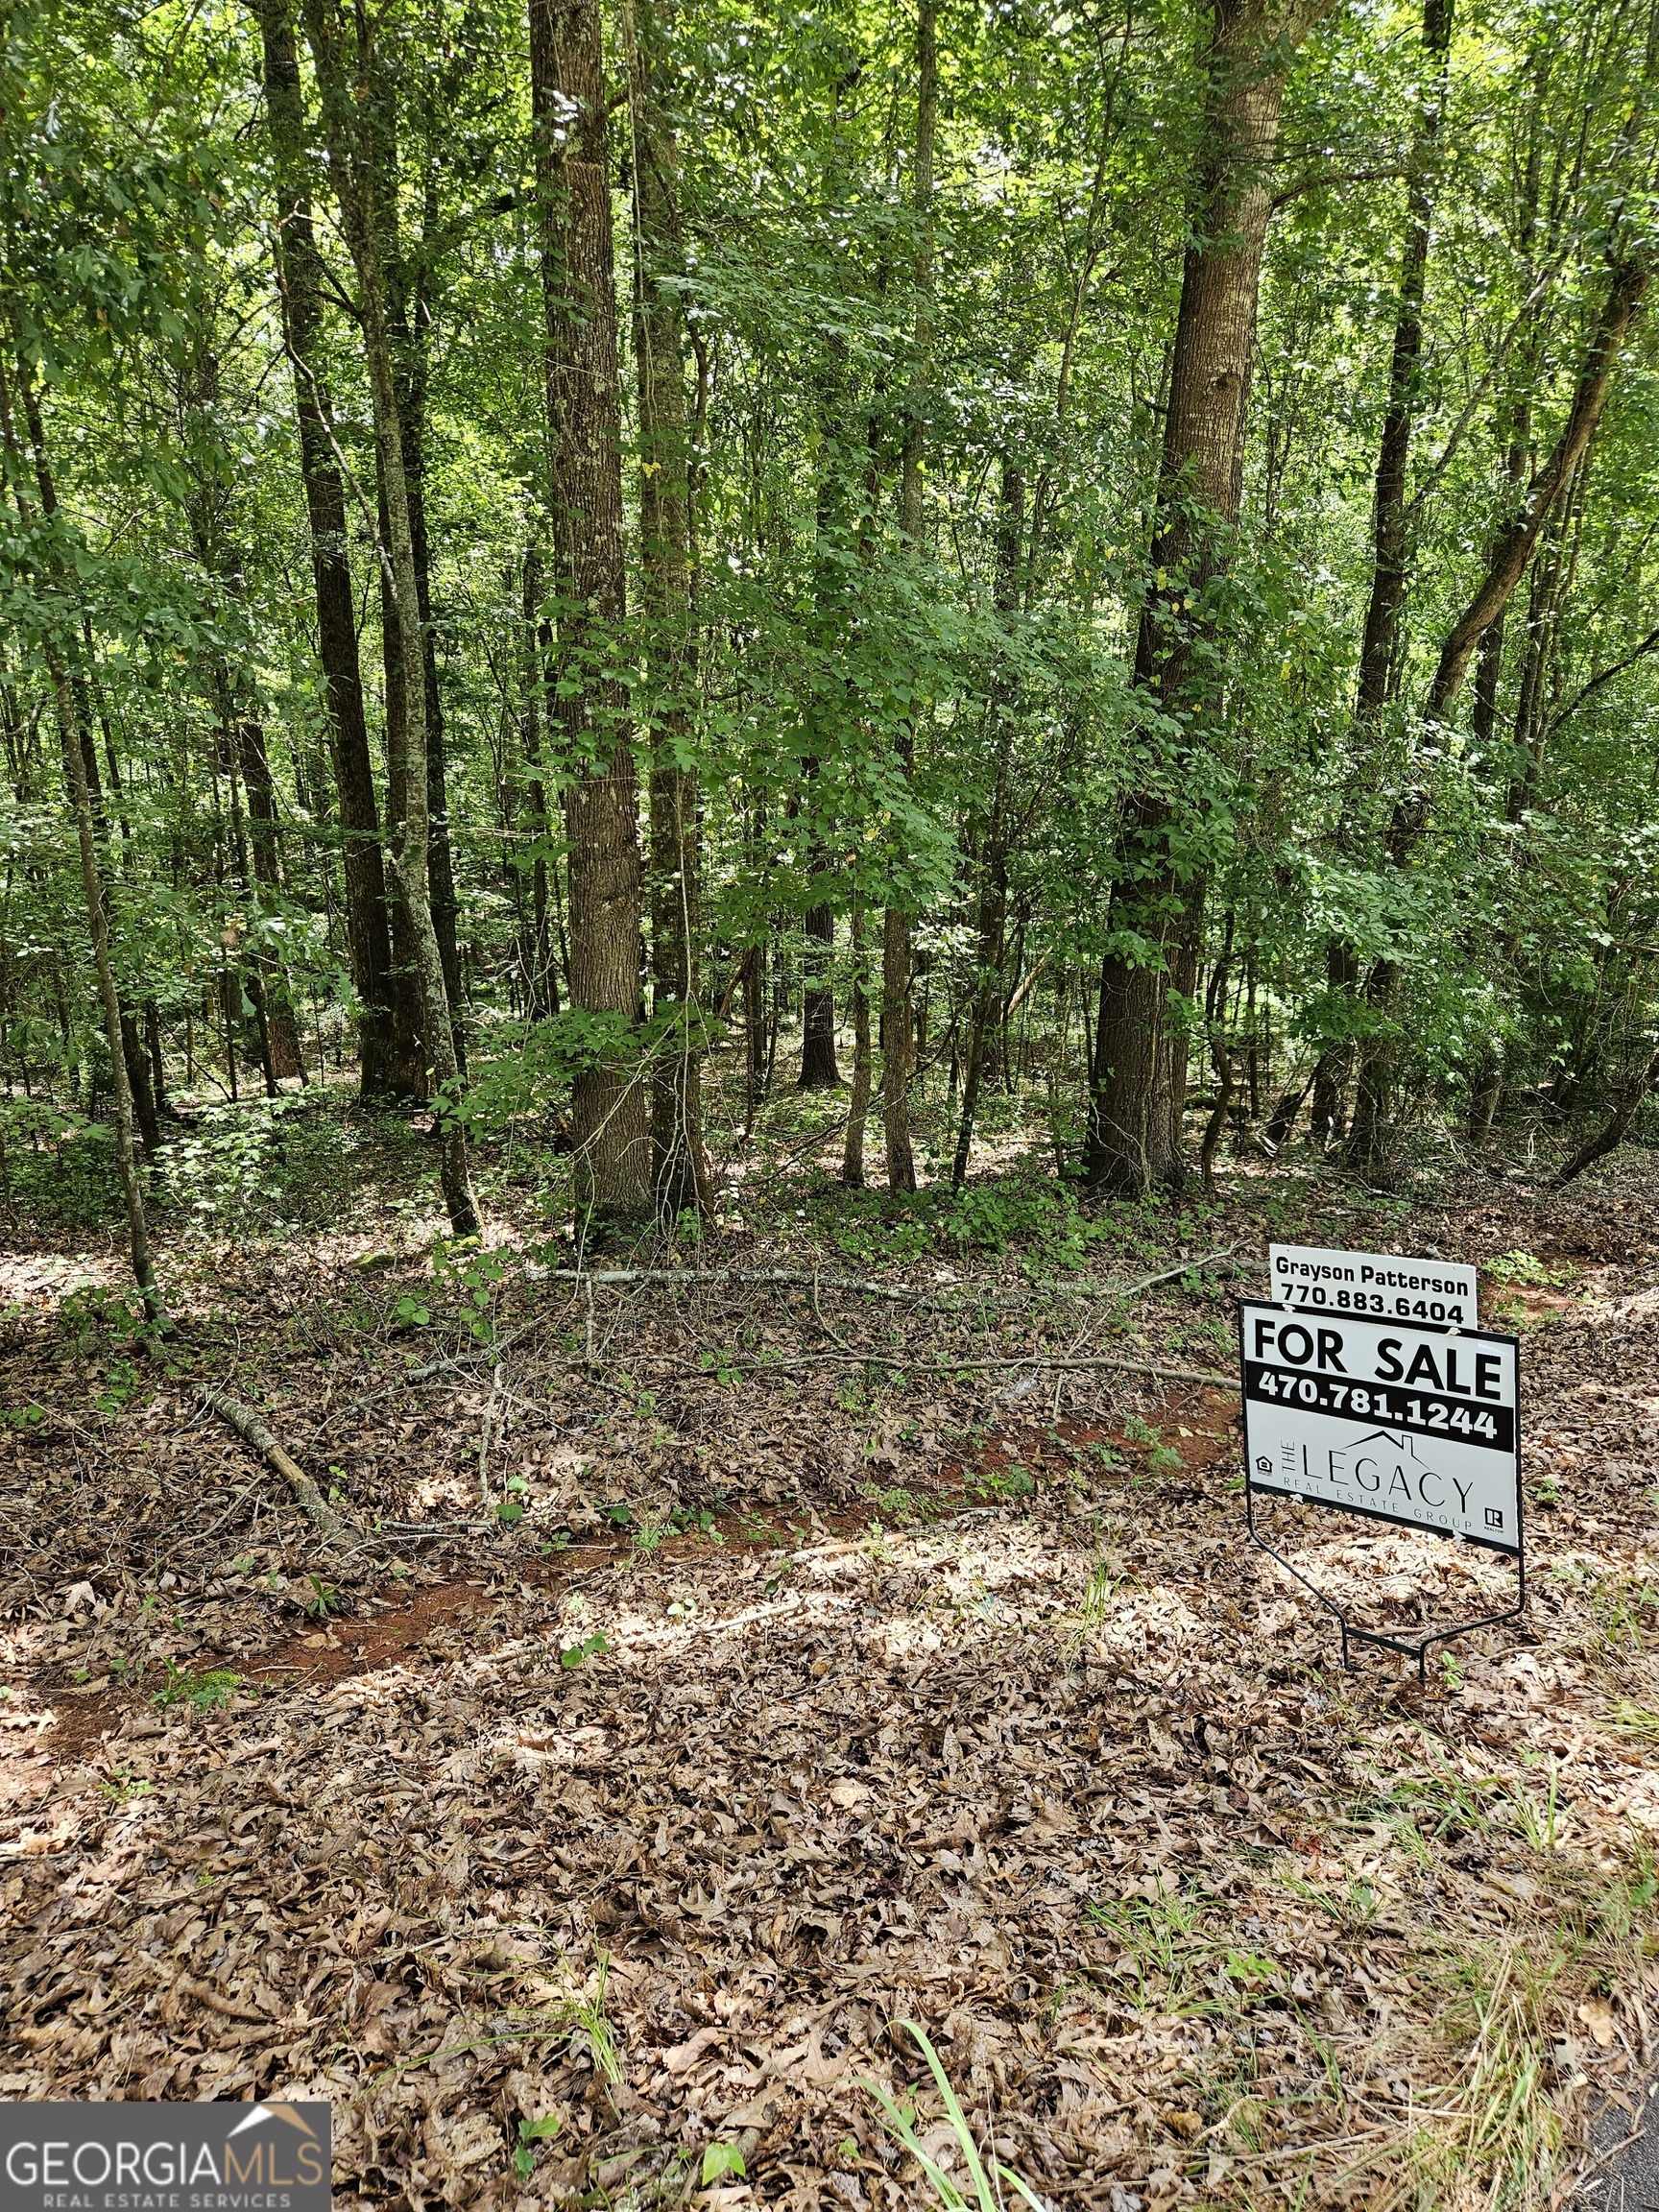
(1396, 1420)
(1435, 1293)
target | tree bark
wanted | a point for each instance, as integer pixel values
(678, 1164)
(612, 1164)
(1158, 891)
(541, 971)
(991, 931)
(1380, 650)
(859, 1110)
(1615, 1129)
(819, 1071)
(1626, 284)
(277, 1007)
(357, 182)
(299, 281)
(1372, 1141)
(897, 1018)
(75, 746)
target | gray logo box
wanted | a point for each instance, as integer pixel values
(152, 2157)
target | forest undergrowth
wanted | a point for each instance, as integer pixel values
(824, 1631)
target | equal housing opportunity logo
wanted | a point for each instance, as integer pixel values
(164, 2157)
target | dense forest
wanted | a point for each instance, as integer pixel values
(599, 569)
(735, 734)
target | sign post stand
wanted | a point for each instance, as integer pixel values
(1352, 1630)
(1364, 1390)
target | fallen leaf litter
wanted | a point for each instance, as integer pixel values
(1069, 1778)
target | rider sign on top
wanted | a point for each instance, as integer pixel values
(1438, 1293)
(1352, 1400)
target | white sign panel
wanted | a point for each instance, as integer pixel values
(1435, 1293)
(1399, 1422)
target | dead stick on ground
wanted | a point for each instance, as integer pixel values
(1057, 1364)
(901, 1293)
(252, 1430)
(484, 1437)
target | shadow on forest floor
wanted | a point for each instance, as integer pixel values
(722, 1673)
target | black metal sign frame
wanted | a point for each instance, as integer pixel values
(1352, 1632)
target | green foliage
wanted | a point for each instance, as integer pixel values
(202, 1693)
(324, 1600)
(899, 2117)
(531, 2133)
(722, 2161)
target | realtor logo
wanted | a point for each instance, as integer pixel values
(151, 2157)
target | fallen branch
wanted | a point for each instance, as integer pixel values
(1055, 1362)
(1613, 1129)
(252, 1430)
(898, 1293)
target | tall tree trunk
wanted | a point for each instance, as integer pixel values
(1372, 1143)
(410, 359)
(300, 280)
(569, 105)
(818, 1069)
(1158, 895)
(897, 1018)
(859, 1110)
(357, 184)
(541, 972)
(991, 932)
(409, 1058)
(679, 1167)
(1626, 285)
(1380, 650)
(277, 1006)
(76, 748)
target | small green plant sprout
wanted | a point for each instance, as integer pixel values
(618, 1515)
(900, 2121)
(1165, 1457)
(200, 1691)
(411, 1311)
(590, 2016)
(123, 1786)
(573, 1654)
(531, 2132)
(1002, 1482)
(1093, 1613)
(24, 1417)
(720, 2160)
(324, 1599)
(1251, 1968)
(120, 1383)
(896, 1505)
(1628, 1719)
(1518, 1267)
(1139, 1432)
(1451, 1670)
(509, 1509)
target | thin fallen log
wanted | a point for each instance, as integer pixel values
(254, 1431)
(1055, 1362)
(900, 1293)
